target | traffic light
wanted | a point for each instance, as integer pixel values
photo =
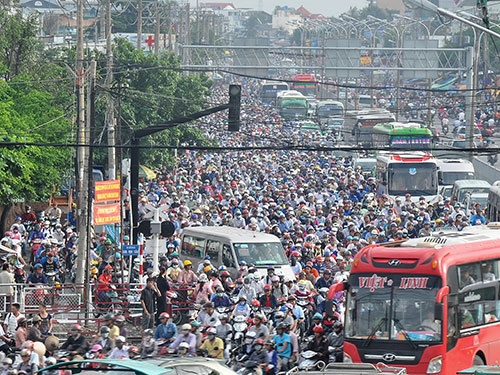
(234, 108)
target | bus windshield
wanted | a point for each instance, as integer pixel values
(413, 178)
(402, 309)
(261, 254)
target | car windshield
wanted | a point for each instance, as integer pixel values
(261, 254)
(393, 307)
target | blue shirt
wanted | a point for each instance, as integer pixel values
(280, 341)
(165, 331)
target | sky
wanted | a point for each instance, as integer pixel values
(325, 7)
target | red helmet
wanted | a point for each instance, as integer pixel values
(268, 287)
(259, 341)
(225, 274)
(164, 315)
(295, 254)
(255, 303)
(318, 329)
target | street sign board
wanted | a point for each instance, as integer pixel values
(130, 250)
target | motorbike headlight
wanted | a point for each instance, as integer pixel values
(435, 365)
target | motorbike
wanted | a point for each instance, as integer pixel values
(309, 361)
(106, 301)
(248, 368)
(240, 327)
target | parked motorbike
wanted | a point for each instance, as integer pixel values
(309, 361)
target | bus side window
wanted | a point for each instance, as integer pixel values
(489, 271)
(227, 256)
(466, 318)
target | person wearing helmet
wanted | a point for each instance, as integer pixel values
(220, 298)
(186, 337)
(37, 277)
(213, 345)
(28, 216)
(149, 346)
(268, 299)
(242, 308)
(283, 347)
(120, 351)
(316, 321)
(248, 290)
(203, 290)
(208, 317)
(103, 340)
(76, 343)
(319, 344)
(336, 340)
(206, 262)
(258, 357)
(166, 330)
(34, 333)
(134, 352)
(187, 275)
(260, 329)
(174, 271)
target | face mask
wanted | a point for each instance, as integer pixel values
(105, 335)
(220, 294)
(211, 337)
(258, 347)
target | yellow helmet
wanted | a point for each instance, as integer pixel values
(187, 263)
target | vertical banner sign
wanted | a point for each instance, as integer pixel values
(107, 191)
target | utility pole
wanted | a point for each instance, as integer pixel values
(139, 24)
(82, 156)
(157, 28)
(110, 110)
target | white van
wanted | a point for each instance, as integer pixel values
(462, 188)
(229, 246)
(451, 170)
(366, 101)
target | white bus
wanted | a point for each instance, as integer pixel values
(415, 173)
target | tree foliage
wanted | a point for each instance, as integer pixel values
(149, 89)
(29, 116)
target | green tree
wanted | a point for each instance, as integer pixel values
(17, 43)
(150, 90)
(28, 116)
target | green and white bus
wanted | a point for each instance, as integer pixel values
(292, 105)
(402, 135)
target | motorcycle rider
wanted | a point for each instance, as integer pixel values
(268, 299)
(319, 344)
(104, 340)
(336, 340)
(185, 337)
(220, 298)
(258, 357)
(166, 330)
(76, 343)
(37, 277)
(248, 291)
(149, 345)
(213, 344)
(208, 317)
(260, 329)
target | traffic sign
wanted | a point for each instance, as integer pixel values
(130, 250)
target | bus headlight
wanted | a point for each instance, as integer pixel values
(435, 365)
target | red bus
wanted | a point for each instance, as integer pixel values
(430, 305)
(306, 84)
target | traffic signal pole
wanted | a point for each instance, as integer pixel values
(234, 125)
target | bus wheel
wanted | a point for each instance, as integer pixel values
(478, 361)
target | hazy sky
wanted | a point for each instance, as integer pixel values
(325, 7)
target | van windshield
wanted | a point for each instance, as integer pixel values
(261, 254)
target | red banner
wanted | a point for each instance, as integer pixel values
(107, 214)
(107, 191)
